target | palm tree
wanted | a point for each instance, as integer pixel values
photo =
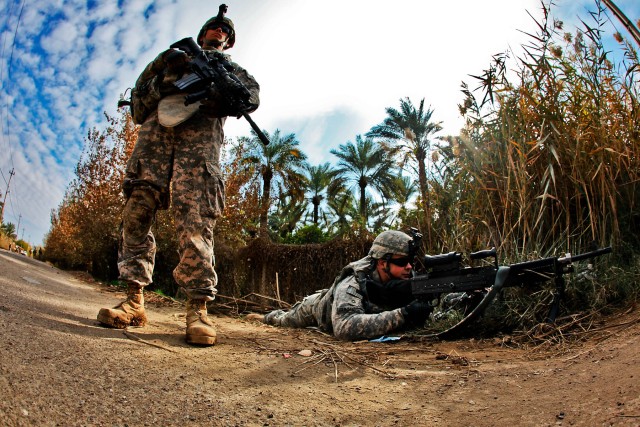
(9, 229)
(367, 164)
(287, 214)
(279, 161)
(342, 209)
(411, 129)
(404, 190)
(379, 215)
(323, 182)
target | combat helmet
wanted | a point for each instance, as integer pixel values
(391, 242)
(220, 19)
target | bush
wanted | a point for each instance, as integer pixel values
(307, 234)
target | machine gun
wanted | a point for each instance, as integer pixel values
(478, 286)
(211, 70)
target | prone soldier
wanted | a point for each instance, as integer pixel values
(358, 305)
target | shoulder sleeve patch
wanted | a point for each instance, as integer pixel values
(354, 291)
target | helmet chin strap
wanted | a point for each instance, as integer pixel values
(216, 44)
(387, 269)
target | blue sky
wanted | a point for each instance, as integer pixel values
(327, 70)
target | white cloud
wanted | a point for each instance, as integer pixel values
(327, 70)
(26, 83)
(368, 55)
(103, 36)
(63, 37)
(101, 67)
(105, 11)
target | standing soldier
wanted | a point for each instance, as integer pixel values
(176, 156)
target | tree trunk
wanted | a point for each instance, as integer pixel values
(362, 183)
(316, 206)
(265, 202)
(424, 192)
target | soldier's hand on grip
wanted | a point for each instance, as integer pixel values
(176, 61)
(416, 313)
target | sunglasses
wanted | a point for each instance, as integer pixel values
(401, 262)
(224, 28)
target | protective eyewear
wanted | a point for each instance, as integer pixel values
(401, 262)
(224, 28)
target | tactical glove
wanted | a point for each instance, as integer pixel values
(176, 61)
(416, 313)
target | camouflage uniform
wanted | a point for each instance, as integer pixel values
(178, 165)
(345, 309)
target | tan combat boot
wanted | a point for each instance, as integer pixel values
(129, 312)
(199, 327)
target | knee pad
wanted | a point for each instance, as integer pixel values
(138, 214)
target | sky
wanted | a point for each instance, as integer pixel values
(327, 70)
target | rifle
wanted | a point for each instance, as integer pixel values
(211, 70)
(478, 286)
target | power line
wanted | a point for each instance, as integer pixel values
(15, 35)
(3, 178)
(4, 121)
(2, 78)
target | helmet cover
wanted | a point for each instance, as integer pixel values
(390, 242)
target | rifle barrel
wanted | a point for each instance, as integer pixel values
(588, 255)
(256, 129)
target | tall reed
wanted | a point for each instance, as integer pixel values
(548, 160)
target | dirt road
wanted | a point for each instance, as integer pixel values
(59, 367)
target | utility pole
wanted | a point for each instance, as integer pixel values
(18, 227)
(4, 201)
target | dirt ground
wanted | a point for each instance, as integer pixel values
(59, 367)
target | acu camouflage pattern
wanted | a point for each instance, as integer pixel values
(344, 309)
(145, 94)
(390, 242)
(178, 166)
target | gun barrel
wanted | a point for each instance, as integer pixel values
(587, 255)
(261, 136)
